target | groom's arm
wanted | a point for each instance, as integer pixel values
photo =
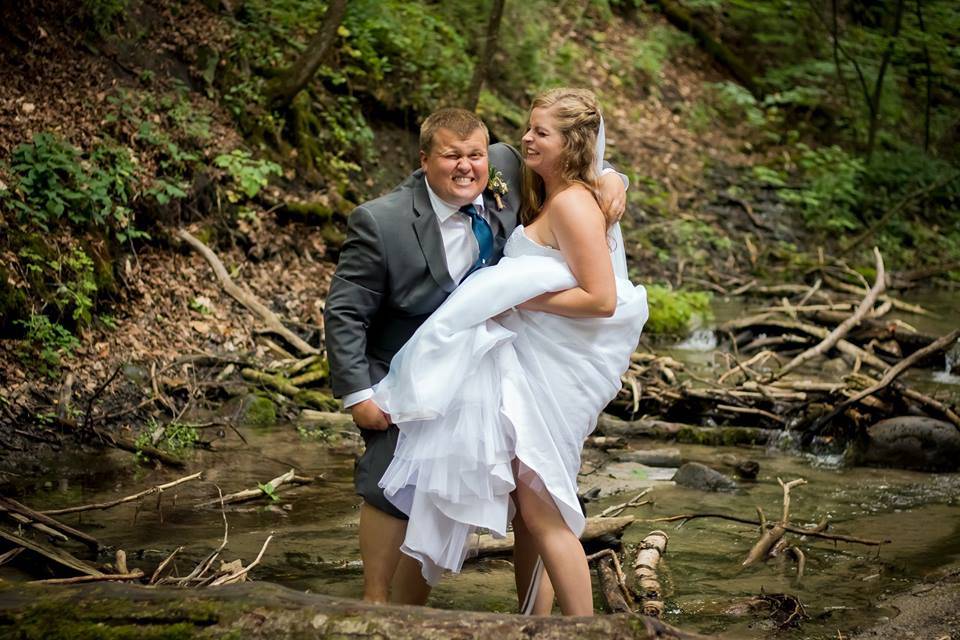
(356, 293)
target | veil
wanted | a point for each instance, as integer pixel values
(618, 254)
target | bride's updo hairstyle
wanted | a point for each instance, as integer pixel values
(577, 116)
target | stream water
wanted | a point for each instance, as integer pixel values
(316, 526)
(315, 544)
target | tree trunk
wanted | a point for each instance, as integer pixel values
(265, 610)
(928, 73)
(483, 62)
(681, 18)
(878, 85)
(288, 84)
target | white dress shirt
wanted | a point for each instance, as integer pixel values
(459, 248)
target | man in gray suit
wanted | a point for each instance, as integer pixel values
(405, 253)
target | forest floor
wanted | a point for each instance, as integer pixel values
(169, 304)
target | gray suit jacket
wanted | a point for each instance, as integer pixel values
(392, 274)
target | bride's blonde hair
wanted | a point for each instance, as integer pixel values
(577, 115)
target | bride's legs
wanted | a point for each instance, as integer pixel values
(561, 551)
(524, 562)
(408, 585)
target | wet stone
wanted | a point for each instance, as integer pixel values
(912, 442)
(699, 476)
(257, 411)
(619, 477)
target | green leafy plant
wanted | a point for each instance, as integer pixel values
(829, 194)
(676, 312)
(248, 174)
(176, 439)
(269, 490)
(46, 343)
(54, 182)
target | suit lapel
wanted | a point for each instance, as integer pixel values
(427, 228)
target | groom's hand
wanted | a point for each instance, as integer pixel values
(614, 195)
(367, 415)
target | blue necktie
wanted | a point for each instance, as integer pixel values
(483, 234)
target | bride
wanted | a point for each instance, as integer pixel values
(496, 392)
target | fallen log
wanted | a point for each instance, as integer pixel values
(328, 419)
(59, 556)
(267, 490)
(681, 18)
(650, 552)
(685, 433)
(278, 383)
(487, 545)
(612, 582)
(11, 505)
(246, 298)
(159, 489)
(668, 457)
(261, 610)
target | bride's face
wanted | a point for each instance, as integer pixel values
(543, 142)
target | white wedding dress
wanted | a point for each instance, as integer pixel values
(481, 384)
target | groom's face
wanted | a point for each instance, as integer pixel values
(457, 168)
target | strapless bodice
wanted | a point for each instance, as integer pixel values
(520, 244)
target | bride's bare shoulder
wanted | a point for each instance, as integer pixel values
(575, 201)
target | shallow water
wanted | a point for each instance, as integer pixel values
(315, 544)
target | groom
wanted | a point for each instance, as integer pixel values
(405, 253)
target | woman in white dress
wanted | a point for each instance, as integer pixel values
(496, 392)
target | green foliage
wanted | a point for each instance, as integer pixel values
(67, 281)
(248, 175)
(54, 183)
(104, 14)
(404, 53)
(830, 194)
(308, 432)
(736, 103)
(269, 490)
(655, 48)
(177, 438)
(675, 312)
(46, 343)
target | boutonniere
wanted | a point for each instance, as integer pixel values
(498, 186)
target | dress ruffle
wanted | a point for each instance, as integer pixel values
(480, 385)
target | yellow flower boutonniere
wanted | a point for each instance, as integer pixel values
(498, 186)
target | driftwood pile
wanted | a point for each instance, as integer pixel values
(774, 376)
